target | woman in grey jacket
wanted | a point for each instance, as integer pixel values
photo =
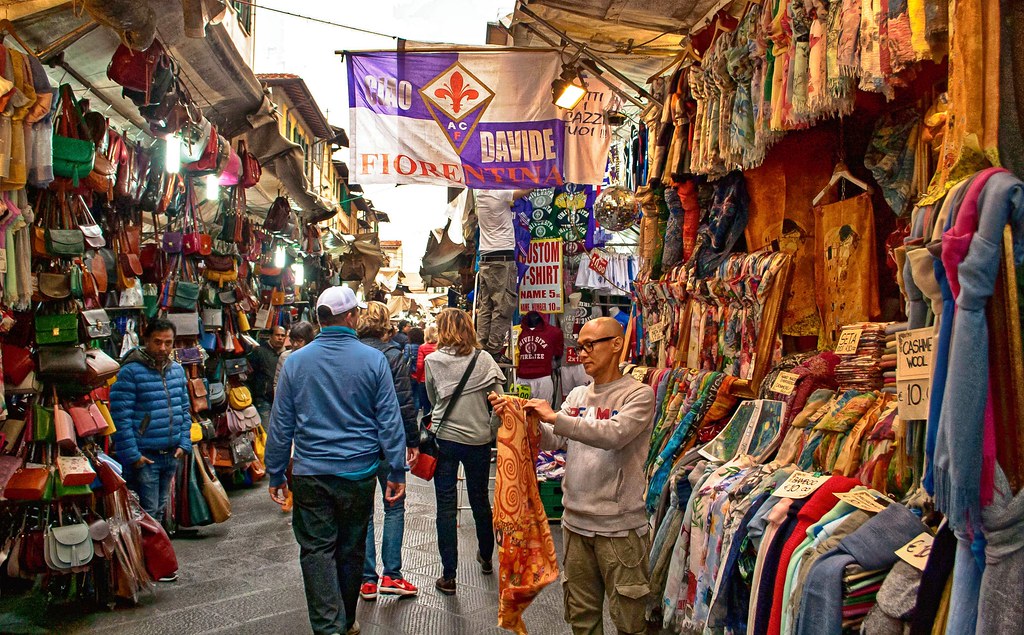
(465, 432)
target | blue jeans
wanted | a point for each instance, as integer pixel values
(264, 408)
(152, 482)
(391, 541)
(329, 523)
(476, 460)
(419, 391)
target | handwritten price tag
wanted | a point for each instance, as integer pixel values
(916, 552)
(861, 499)
(848, 341)
(521, 391)
(800, 485)
(598, 262)
(785, 383)
(656, 332)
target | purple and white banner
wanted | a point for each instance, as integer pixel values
(478, 119)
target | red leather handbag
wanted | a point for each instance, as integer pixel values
(28, 484)
(161, 561)
(135, 69)
(251, 169)
(207, 163)
(17, 362)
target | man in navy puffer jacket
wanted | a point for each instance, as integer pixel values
(150, 407)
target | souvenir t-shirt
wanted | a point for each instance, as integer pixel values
(539, 345)
(494, 213)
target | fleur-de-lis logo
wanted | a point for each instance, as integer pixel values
(456, 92)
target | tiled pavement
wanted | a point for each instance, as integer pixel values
(243, 577)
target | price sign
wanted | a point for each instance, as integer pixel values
(520, 390)
(916, 552)
(912, 398)
(848, 341)
(800, 485)
(861, 499)
(598, 262)
(656, 332)
(914, 354)
(785, 383)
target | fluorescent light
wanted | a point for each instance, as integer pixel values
(212, 187)
(172, 157)
(299, 270)
(280, 257)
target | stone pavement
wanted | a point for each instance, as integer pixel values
(243, 577)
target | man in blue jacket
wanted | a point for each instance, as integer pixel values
(336, 405)
(150, 407)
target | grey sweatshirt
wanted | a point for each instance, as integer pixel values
(606, 432)
(471, 421)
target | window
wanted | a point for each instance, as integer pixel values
(244, 11)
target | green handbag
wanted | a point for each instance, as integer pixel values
(42, 424)
(186, 295)
(77, 291)
(198, 508)
(65, 242)
(57, 329)
(72, 158)
(61, 490)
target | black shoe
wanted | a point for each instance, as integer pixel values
(445, 585)
(486, 567)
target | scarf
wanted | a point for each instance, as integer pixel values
(1002, 594)
(526, 552)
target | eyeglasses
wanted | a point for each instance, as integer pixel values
(589, 346)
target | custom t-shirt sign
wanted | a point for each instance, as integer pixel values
(541, 289)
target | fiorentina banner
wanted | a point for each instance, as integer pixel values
(477, 119)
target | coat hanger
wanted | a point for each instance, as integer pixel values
(841, 172)
(7, 27)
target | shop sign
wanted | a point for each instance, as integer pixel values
(800, 485)
(656, 331)
(785, 383)
(541, 288)
(848, 341)
(916, 552)
(914, 352)
(471, 119)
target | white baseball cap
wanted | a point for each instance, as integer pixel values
(339, 300)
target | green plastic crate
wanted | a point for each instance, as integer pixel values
(551, 498)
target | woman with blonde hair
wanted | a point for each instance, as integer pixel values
(464, 425)
(373, 329)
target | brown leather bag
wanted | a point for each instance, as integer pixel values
(98, 269)
(198, 394)
(54, 286)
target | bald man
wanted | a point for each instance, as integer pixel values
(605, 429)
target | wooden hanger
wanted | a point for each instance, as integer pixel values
(7, 27)
(840, 172)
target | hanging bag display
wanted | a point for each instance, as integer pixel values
(100, 367)
(251, 169)
(213, 491)
(73, 155)
(242, 420)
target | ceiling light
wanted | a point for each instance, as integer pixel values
(568, 90)
(172, 156)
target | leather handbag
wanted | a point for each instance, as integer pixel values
(64, 427)
(95, 324)
(209, 429)
(105, 413)
(185, 324)
(158, 552)
(186, 295)
(91, 232)
(62, 362)
(198, 393)
(42, 423)
(65, 243)
(8, 466)
(73, 155)
(242, 420)
(242, 453)
(188, 356)
(213, 319)
(88, 420)
(198, 510)
(217, 397)
(75, 470)
(54, 286)
(11, 429)
(136, 70)
(239, 397)
(232, 174)
(278, 216)
(213, 491)
(100, 367)
(28, 483)
(251, 169)
(172, 242)
(69, 546)
(61, 328)
(237, 366)
(17, 363)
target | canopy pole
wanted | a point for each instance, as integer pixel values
(586, 52)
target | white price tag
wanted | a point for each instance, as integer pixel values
(800, 485)
(914, 354)
(916, 552)
(912, 398)
(861, 499)
(785, 383)
(656, 332)
(848, 341)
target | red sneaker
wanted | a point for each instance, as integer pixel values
(397, 586)
(368, 591)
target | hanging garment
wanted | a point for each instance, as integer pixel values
(845, 266)
(526, 554)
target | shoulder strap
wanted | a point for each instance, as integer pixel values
(458, 390)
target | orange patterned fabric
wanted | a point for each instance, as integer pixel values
(526, 554)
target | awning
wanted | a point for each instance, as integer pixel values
(218, 78)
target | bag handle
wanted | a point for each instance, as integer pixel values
(458, 390)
